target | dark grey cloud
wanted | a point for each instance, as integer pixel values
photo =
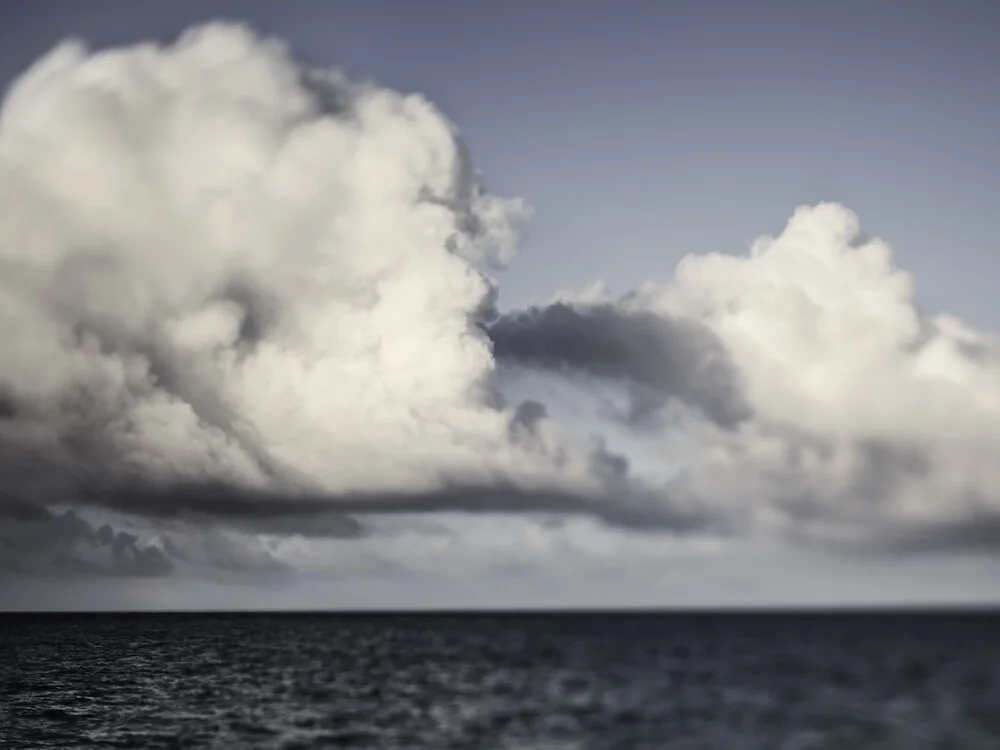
(331, 515)
(34, 540)
(659, 357)
(20, 510)
(977, 533)
(860, 516)
(8, 408)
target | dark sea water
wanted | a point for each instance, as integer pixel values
(500, 681)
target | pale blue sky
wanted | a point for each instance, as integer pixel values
(644, 130)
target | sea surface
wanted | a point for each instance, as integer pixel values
(517, 681)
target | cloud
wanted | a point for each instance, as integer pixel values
(234, 286)
(40, 543)
(856, 419)
(660, 357)
(35, 541)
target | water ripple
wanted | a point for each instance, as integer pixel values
(520, 683)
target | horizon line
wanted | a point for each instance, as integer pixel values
(992, 609)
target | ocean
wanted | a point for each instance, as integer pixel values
(490, 681)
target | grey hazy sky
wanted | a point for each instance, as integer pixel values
(641, 131)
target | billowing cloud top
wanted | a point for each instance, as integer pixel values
(232, 286)
(221, 269)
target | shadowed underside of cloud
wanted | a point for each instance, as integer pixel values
(865, 537)
(237, 290)
(35, 541)
(977, 533)
(666, 358)
(331, 515)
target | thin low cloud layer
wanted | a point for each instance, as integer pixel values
(238, 292)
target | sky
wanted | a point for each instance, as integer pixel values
(809, 422)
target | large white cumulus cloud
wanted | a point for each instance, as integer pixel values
(864, 408)
(218, 267)
(861, 419)
(826, 331)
